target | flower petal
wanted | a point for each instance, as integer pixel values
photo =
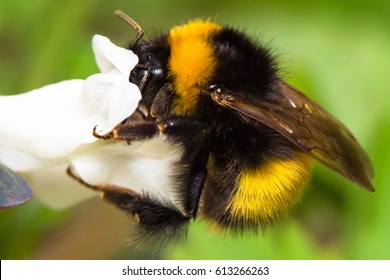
(144, 168)
(53, 121)
(45, 121)
(56, 189)
(47, 128)
(21, 161)
(109, 99)
(109, 56)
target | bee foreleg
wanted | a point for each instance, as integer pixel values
(182, 127)
(130, 131)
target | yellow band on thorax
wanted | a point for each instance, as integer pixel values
(192, 62)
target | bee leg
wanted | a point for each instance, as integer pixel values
(115, 192)
(158, 223)
(130, 131)
(192, 133)
(73, 174)
(182, 128)
(186, 130)
(196, 182)
(160, 220)
(148, 210)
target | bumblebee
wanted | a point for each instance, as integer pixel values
(246, 139)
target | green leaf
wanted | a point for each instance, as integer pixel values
(14, 189)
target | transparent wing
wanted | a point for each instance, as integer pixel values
(309, 126)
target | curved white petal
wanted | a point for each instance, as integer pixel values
(56, 189)
(53, 121)
(21, 161)
(109, 56)
(46, 129)
(109, 99)
(147, 168)
(45, 121)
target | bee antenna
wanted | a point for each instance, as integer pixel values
(133, 24)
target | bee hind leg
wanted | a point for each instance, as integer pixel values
(73, 174)
(158, 223)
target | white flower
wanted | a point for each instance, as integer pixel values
(49, 128)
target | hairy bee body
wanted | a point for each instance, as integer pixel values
(246, 138)
(198, 57)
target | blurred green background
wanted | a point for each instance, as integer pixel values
(337, 52)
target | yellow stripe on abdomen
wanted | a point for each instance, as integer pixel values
(269, 191)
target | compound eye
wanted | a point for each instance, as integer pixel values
(138, 75)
